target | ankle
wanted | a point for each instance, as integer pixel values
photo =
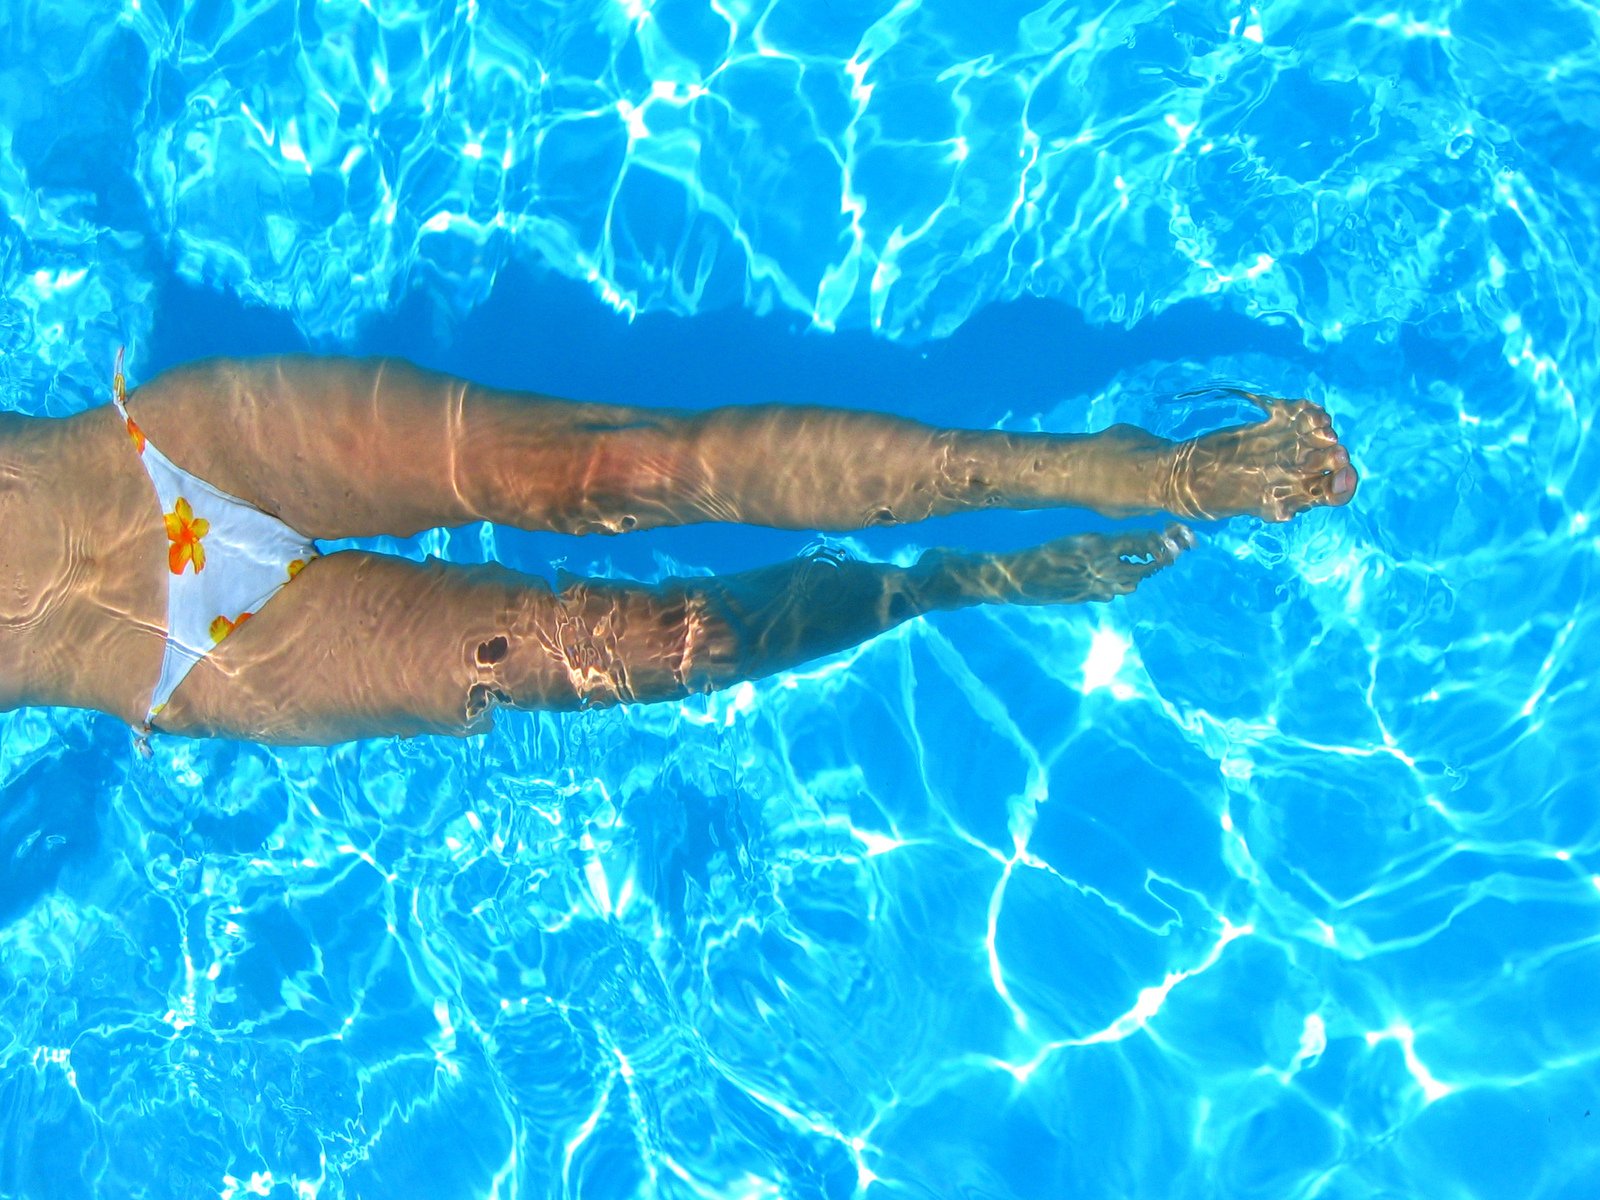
(943, 580)
(1145, 468)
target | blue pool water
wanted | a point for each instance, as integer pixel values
(1279, 878)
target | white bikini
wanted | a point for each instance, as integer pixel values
(226, 558)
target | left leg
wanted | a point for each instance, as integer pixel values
(365, 645)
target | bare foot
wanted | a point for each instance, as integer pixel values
(1273, 469)
(1069, 570)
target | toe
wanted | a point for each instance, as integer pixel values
(1135, 545)
(1320, 460)
(1334, 488)
(1160, 549)
(1343, 485)
(1317, 439)
(1122, 576)
(1141, 555)
(1313, 423)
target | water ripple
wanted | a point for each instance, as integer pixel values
(1282, 879)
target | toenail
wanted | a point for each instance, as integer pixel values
(1344, 481)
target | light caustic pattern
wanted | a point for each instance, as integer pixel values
(1279, 878)
(889, 165)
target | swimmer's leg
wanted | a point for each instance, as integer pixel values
(345, 447)
(704, 634)
(365, 645)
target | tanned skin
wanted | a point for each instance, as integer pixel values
(364, 645)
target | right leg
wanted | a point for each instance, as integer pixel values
(343, 447)
(364, 645)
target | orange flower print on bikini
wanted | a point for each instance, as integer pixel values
(222, 627)
(185, 531)
(119, 386)
(296, 566)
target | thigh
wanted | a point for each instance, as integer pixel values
(364, 645)
(342, 447)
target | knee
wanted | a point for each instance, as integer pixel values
(507, 659)
(645, 645)
(590, 645)
(593, 644)
(484, 693)
(631, 478)
(961, 480)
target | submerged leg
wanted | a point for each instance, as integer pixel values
(365, 645)
(343, 447)
(626, 644)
